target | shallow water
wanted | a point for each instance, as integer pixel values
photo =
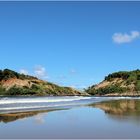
(69, 117)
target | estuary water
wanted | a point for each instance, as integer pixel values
(69, 117)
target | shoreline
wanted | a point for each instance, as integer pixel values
(128, 94)
(107, 95)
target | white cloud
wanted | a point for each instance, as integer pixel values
(40, 72)
(125, 38)
(23, 71)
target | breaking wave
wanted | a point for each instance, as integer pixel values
(40, 100)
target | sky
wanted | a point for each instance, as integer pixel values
(70, 43)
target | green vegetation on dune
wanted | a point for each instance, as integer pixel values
(6, 74)
(131, 76)
(118, 82)
(2, 90)
(106, 90)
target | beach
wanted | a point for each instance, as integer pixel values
(89, 118)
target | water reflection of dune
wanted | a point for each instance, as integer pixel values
(16, 116)
(121, 110)
(120, 107)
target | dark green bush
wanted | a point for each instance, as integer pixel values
(138, 85)
(130, 76)
(6, 74)
(107, 90)
(20, 91)
(2, 90)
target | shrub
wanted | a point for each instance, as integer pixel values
(20, 91)
(138, 85)
(107, 90)
(2, 90)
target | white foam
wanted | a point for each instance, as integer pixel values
(40, 100)
(35, 107)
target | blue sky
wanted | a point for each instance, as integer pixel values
(70, 43)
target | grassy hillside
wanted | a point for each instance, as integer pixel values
(119, 83)
(13, 83)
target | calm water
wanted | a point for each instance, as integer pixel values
(69, 117)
